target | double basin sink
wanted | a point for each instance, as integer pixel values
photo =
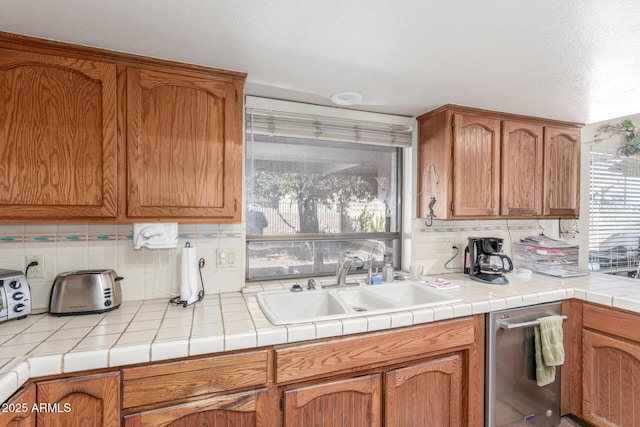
(287, 307)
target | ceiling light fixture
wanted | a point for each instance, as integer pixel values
(346, 98)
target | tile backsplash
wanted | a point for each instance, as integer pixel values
(148, 273)
(424, 244)
(154, 273)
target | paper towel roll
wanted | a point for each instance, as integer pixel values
(189, 275)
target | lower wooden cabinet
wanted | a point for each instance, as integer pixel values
(610, 366)
(92, 400)
(611, 381)
(427, 375)
(423, 376)
(425, 394)
(247, 409)
(348, 402)
(19, 410)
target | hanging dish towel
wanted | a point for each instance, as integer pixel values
(549, 350)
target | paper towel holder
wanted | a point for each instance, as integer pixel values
(177, 300)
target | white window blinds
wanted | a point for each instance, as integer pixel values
(614, 212)
(319, 123)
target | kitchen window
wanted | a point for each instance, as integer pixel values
(321, 181)
(614, 213)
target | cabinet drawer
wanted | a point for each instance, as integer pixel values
(176, 380)
(611, 321)
(353, 354)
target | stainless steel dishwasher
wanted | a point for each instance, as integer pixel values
(512, 396)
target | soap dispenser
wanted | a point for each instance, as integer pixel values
(387, 272)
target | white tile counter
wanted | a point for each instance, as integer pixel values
(154, 330)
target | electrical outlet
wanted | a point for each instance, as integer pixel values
(226, 258)
(445, 245)
(36, 271)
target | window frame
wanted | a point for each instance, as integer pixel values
(401, 206)
(597, 231)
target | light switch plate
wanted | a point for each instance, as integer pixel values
(226, 258)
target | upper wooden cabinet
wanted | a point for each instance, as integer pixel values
(476, 156)
(562, 172)
(484, 164)
(58, 137)
(184, 145)
(522, 169)
(94, 135)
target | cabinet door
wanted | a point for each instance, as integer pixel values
(426, 394)
(243, 409)
(18, 411)
(476, 175)
(521, 169)
(82, 401)
(561, 172)
(184, 146)
(610, 381)
(350, 402)
(57, 137)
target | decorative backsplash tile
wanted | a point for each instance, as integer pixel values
(148, 273)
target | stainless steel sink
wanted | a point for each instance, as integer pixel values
(286, 307)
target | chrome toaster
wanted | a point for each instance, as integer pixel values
(15, 295)
(85, 292)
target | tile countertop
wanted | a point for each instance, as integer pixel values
(154, 330)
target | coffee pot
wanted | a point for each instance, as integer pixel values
(485, 262)
(495, 263)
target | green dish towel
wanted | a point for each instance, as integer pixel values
(549, 350)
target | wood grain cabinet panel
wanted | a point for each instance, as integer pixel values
(247, 409)
(18, 411)
(184, 145)
(484, 164)
(476, 156)
(79, 402)
(349, 402)
(611, 381)
(521, 169)
(426, 394)
(358, 353)
(58, 137)
(562, 172)
(191, 378)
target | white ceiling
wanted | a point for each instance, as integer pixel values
(575, 60)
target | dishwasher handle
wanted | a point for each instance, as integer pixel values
(509, 326)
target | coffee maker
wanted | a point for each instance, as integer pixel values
(485, 262)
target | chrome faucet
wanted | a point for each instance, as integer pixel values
(344, 264)
(378, 244)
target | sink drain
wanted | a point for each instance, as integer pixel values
(359, 309)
